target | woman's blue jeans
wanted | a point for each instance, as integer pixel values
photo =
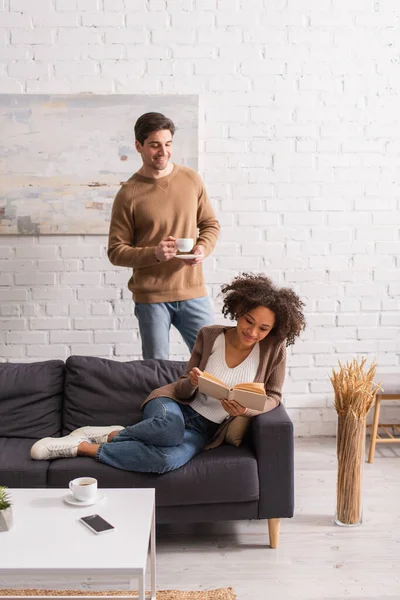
(169, 435)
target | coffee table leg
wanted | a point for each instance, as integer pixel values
(142, 591)
(153, 555)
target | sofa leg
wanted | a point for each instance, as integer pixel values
(273, 530)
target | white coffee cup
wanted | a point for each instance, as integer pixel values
(83, 488)
(184, 244)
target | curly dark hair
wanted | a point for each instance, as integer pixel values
(248, 291)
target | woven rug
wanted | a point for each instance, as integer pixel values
(219, 594)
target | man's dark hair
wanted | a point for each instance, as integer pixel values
(149, 122)
(248, 291)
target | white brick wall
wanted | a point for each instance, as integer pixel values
(299, 150)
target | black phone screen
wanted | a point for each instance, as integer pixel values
(97, 523)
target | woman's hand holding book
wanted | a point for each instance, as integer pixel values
(194, 375)
(233, 408)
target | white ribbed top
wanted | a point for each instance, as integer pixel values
(209, 407)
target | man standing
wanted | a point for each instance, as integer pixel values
(158, 204)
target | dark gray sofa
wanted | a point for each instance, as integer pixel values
(52, 398)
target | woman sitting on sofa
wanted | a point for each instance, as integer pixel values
(179, 421)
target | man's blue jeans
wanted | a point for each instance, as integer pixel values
(155, 320)
(169, 435)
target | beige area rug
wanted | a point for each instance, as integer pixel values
(219, 594)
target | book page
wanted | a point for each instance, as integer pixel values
(212, 388)
(253, 400)
(252, 386)
(212, 378)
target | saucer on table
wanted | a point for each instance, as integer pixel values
(70, 499)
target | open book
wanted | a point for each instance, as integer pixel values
(250, 395)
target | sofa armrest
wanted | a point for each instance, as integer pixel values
(272, 439)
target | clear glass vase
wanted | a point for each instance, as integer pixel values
(350, 447)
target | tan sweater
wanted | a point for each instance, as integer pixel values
(147, 210)
(271, 372)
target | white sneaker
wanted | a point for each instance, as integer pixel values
(96, 435)
(63, 447)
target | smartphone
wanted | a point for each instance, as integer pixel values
(97, 524)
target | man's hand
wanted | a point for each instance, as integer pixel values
(166, 249)
(233, 408)
(194, 375)
(198, 250)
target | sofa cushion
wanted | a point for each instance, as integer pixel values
(100, 391)
(225, 474)
(31, 399)
(236, 430)
(17, 469)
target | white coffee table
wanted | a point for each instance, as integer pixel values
(47, 544)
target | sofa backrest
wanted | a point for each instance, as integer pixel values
(31, 396)
(100, 391)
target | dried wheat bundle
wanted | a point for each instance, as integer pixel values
(355, 393)
(354, 388)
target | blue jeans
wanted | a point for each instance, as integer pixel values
(155, 320)
(169, 435)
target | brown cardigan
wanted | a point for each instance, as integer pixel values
(271, 372)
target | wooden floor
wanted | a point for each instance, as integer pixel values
(316, 559)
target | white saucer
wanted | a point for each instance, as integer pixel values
(185, 256)
(70, 499)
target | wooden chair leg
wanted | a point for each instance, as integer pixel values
(273, 530)
(374, 429)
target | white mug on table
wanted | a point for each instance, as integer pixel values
(83, 488)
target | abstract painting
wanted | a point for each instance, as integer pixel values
(63, 158)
